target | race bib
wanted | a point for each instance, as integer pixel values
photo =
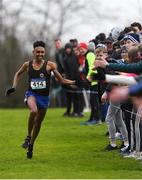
(39, 83)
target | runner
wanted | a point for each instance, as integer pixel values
(37, 96)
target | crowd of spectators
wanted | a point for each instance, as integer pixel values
(104, 68)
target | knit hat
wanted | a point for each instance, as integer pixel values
(133, 37)
(101, 46)
(115, 32)
(91, 46)
(83, 45)
(68, 45)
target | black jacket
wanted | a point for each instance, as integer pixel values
(71, 66)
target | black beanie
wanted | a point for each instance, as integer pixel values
(68, 45)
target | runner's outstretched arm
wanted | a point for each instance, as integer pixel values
(17, 75)
(59, 77)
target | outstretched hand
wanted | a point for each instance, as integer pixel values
(100, 63)
(9, 91)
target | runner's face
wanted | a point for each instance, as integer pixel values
(39, 53)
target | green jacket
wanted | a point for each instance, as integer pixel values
(90, 58)
(130, 68)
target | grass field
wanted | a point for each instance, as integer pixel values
(63, 150)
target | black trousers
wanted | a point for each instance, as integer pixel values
(72, 100)
(129, 120)
(94, 103)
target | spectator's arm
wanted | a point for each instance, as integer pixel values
(131, 68)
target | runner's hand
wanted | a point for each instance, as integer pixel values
(9, 91)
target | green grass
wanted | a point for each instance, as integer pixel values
(63, 150)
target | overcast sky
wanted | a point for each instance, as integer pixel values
(114, 13)
(125, 11)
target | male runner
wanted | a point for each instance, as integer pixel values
(37, 96)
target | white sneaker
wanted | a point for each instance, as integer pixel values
(131, 155)
(124, 148)
(100, 122)
(139, 156)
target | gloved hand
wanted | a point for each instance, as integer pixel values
(82, 83)
(9, 91)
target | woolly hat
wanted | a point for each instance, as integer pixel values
(133, 37)
(83, 45)
(115, 32)
(68, 45)
(91, 46)
(101, 46)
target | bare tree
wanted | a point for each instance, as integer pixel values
(24, 21)
(47, 20)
